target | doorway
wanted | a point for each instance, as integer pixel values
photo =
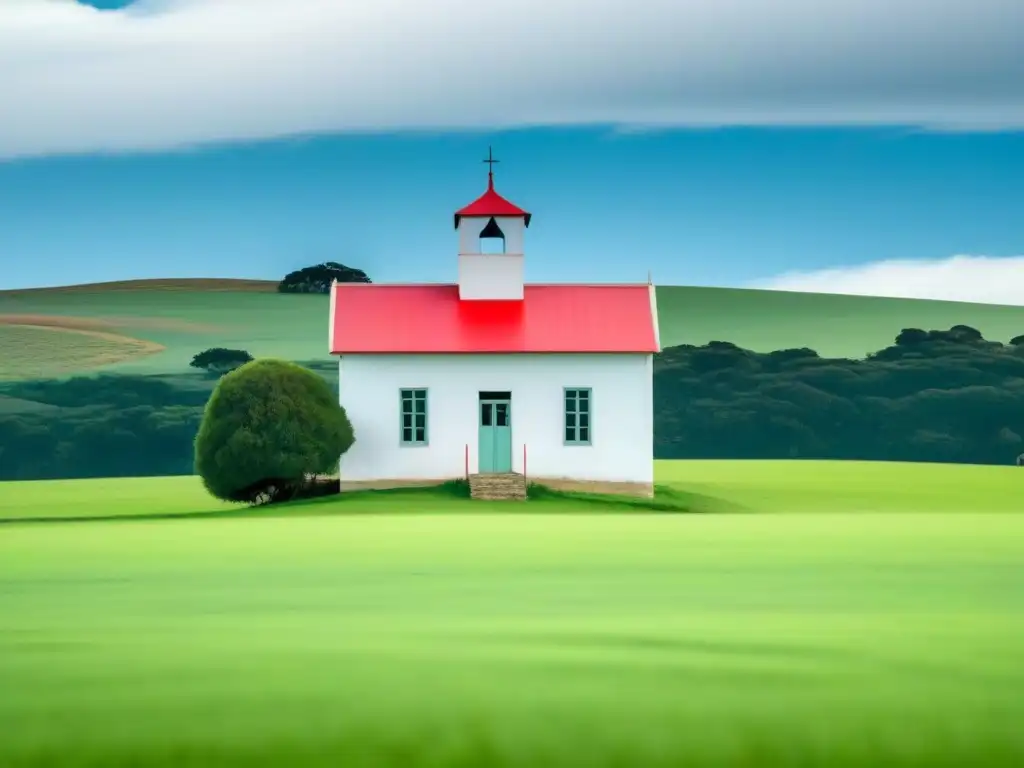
(495, 420)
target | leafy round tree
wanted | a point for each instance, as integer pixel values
(318, 278)
(220, 360)
(268, 426)
(910, 336)
(965, 333)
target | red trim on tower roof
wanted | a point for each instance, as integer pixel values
(490, 203)
(431, 319)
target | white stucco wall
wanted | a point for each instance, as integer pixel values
(470, 227)
(621, 448)
(497, 276)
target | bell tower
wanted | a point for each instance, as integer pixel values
(491, 233)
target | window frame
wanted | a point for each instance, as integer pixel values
(489, 238)
(412, 398)
(577, 413)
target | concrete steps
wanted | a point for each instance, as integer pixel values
(498, 486)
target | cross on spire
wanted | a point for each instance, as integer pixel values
(490, 167)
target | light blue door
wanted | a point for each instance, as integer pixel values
(495, 436)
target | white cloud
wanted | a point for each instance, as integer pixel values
(981, 279)
(168, 73)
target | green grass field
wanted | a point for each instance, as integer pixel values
(867, 615)
(825, 487)
(186, 317)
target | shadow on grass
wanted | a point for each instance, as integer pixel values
(665, 499)
(452, 497)
(342, 503)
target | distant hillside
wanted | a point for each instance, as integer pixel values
(156, 326)
(164, 284)
(833, 325)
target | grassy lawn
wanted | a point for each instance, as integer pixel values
(698, 486)
(121, 497)
(846, 486)
(838, 639)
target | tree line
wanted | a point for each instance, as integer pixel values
(948, 396)
(937, 396)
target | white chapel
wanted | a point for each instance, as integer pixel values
(490, 377)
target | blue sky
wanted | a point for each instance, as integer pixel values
(874, 189)
(718, 207)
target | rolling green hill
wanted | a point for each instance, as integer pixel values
(156, 326)
(832, 325)
(181, 317)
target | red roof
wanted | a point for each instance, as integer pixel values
(410, 319)
(490, 203)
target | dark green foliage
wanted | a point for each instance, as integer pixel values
(963, 333)
(220, 360)
(267, 428)
(958, 334)
(933, 396)
(105, 426)
(910, 336)
(102, 426)
(318, 278)
(113, 390)
(98, 441)
(458, 488)
(788, 355)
